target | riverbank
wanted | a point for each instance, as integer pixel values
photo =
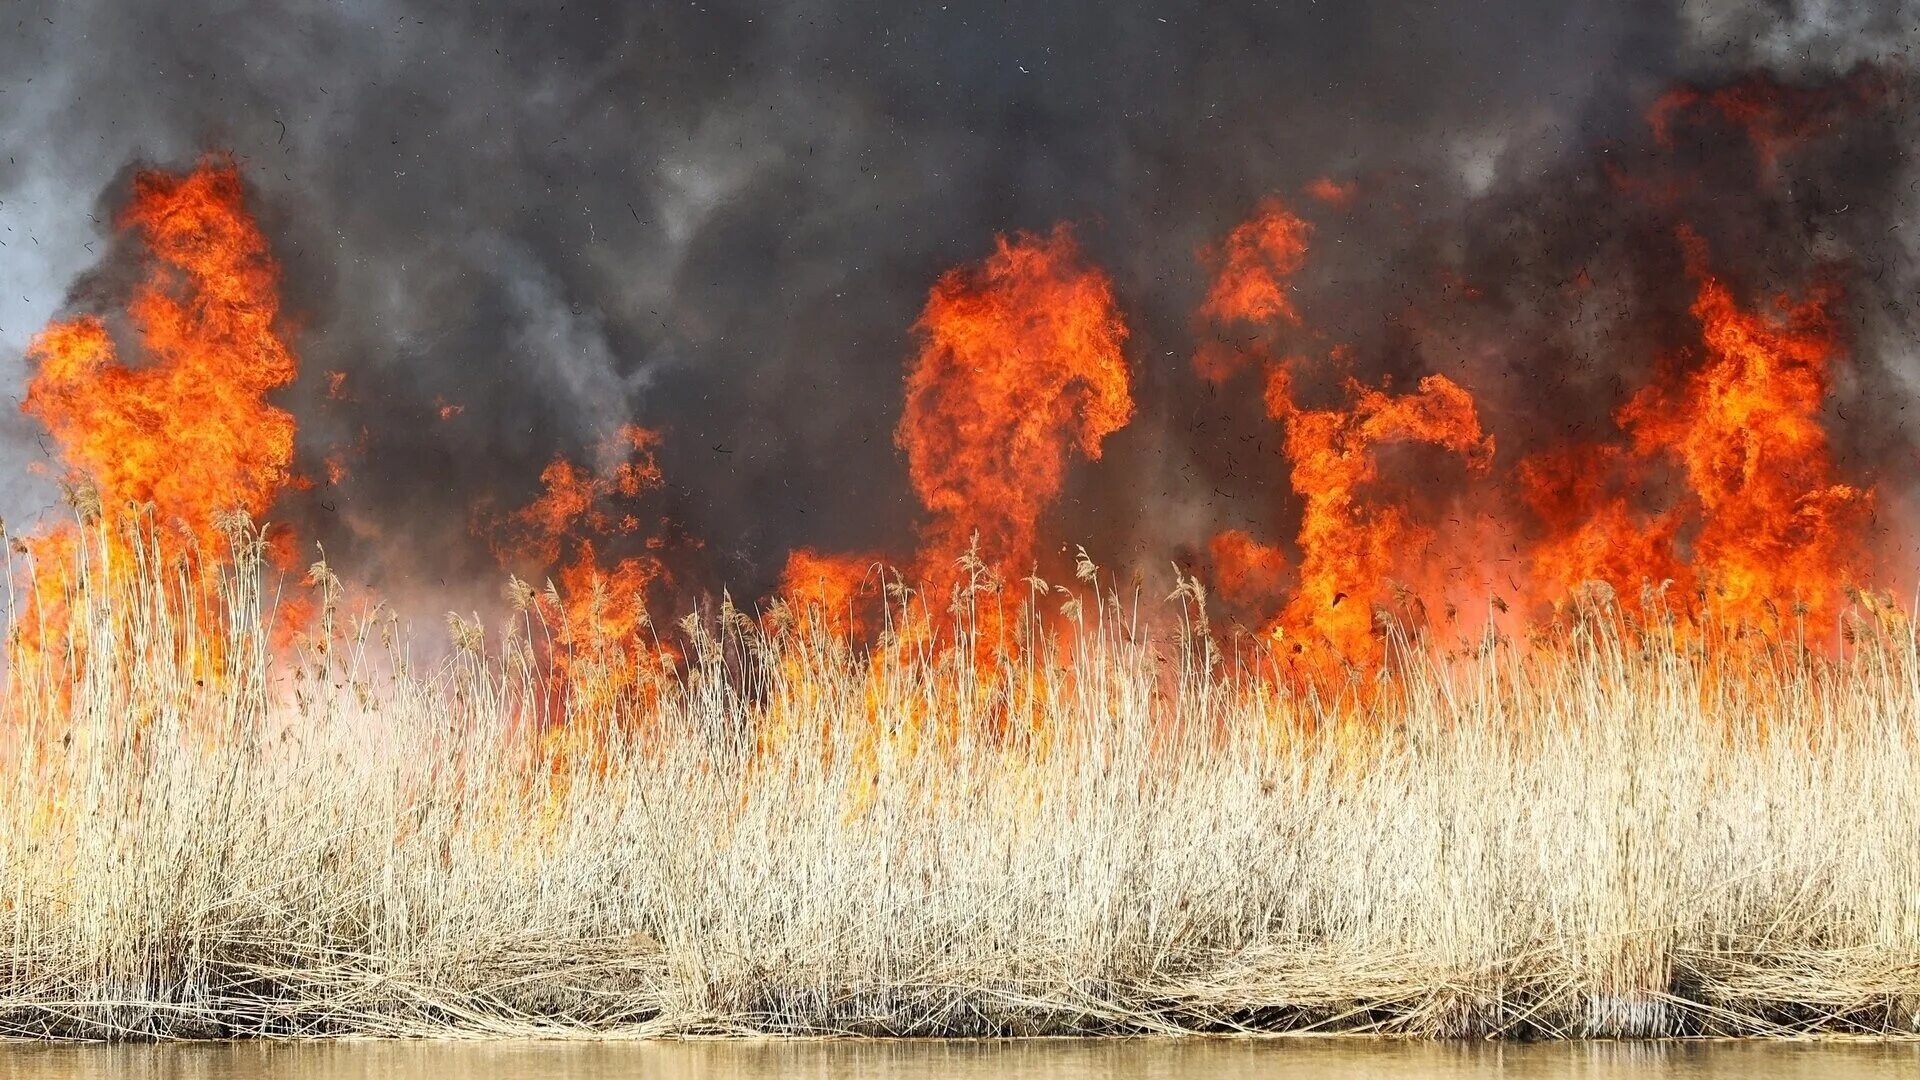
(1605, 831)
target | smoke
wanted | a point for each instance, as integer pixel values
(721, 219)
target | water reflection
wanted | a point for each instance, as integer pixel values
(1141, 1059)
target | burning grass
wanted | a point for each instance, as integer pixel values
(1088, 823)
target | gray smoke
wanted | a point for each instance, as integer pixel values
(721, 219)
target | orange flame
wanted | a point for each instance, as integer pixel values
(1253, 266)
(189, 429)
(1744, 426)
(1594, 532)
(826, 591)
(1350, 544)
(598, 614)
(1775, 116)
(1245, 570)
(580, 501)
(1767, 523)
(1020, 360)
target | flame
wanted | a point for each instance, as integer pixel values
(1332, 192)
(1594, 531)
(1252, 267)
(577, 501)
(1219, 361)
(1350, 540)
(1774, 116)
(1020, 360)
(1245, 570)
(1719, 478)
(189, 428)
(1744, 427)
(1766, 525)
(336, 459)
(597, 614)
(825, 591)
(1350, 543)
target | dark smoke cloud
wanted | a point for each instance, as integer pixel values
(721, 220)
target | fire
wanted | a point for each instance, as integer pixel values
(1594, 531)
(827, 591)
(1219, 361)
(597, 613)
(1717, 478)
(1245, 570)
(1774, 116)
(1020, 361)
(1744, 427)
(188, 428)
(578, 501)
(1350, 544)
(1332, 192)
(1766, 527)
(171, 441)
(1253, 266)
(1351, 540)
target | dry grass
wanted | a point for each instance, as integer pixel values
(1607, 836)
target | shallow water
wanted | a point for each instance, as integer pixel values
(1141, 1059)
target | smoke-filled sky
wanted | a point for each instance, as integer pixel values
(721, 220)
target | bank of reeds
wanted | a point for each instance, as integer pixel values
(1606, 831)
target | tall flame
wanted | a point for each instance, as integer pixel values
(1020, 361)
(1350, 543)
(1744, 427)
(188, 428)
(1766, 527)
(1718, 476)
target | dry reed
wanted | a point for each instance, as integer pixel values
(1601, 834)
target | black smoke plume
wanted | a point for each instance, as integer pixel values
(720, 220)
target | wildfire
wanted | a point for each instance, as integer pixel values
(187, 428)
(1765, 528)
(1020, 361)
(1721, 483)
(1774, 525)
(828, 589)
(1718, 477)
(1594, 530)
(1351, 541)
(596, 613)
(172, 441)
(1245, 570)
(1351, 544)
(578, 501)
(1253, 265)
(1332, 192)
(1774, 116)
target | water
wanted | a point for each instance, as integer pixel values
(1143, 1059)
